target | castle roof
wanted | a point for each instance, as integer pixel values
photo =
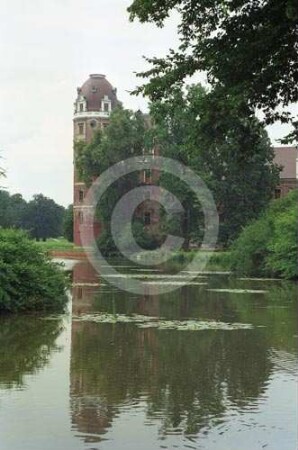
(96, 89)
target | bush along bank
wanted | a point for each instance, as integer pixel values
(269, 245)
(29, 280)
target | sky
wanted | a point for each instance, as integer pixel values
(48, 49)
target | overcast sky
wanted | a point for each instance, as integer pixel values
(48, 48)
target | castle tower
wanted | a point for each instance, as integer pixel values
(94, 103)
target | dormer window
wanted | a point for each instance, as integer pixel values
(106, 105)
(81, 107)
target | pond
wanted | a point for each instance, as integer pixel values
(210, 366)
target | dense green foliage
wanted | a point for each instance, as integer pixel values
(12, 210)
(124, 137)
(44, 218)
(269, 245)
(68, 224)
(231, 153)
(29, 281)
(41, 217)
(248, 49)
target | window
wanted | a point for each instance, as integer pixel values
(147, 176)
(81, 107)
(106, 107)
(277, 193)
(81, 195)
(81, 217)
(81, 128)
(147, 218)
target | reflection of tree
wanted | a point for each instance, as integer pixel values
(187, 378)
(25, 347)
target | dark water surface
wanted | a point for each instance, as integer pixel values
(69, 383)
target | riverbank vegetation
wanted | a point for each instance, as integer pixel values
(29, 280)
(269, 245)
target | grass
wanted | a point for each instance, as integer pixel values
(219, 261)
(58, 244)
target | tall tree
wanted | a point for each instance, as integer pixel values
(44, 218)
(247, 47)
(231, 152)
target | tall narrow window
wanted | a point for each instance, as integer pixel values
(147, 218)
(106, 107)
(81, 128)
(80, 293)
(81, 217)
(147, 176)
(81, 195)
(81, 107)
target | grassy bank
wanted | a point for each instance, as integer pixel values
(217, 261)
(58, 244)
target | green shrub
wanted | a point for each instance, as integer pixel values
(268, 246)
(29, 281)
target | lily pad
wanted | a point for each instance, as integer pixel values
(162, 324)
(239, 291)
(195, 325)
(175, 283)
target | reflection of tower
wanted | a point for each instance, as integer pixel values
(85, 285)
(95, 101)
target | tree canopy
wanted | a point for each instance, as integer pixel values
(41, 216)
(231, 152)
(44, 218)
(248, 48)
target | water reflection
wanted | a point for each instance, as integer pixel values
(189, 382)
(113, 386)
(26, 345)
